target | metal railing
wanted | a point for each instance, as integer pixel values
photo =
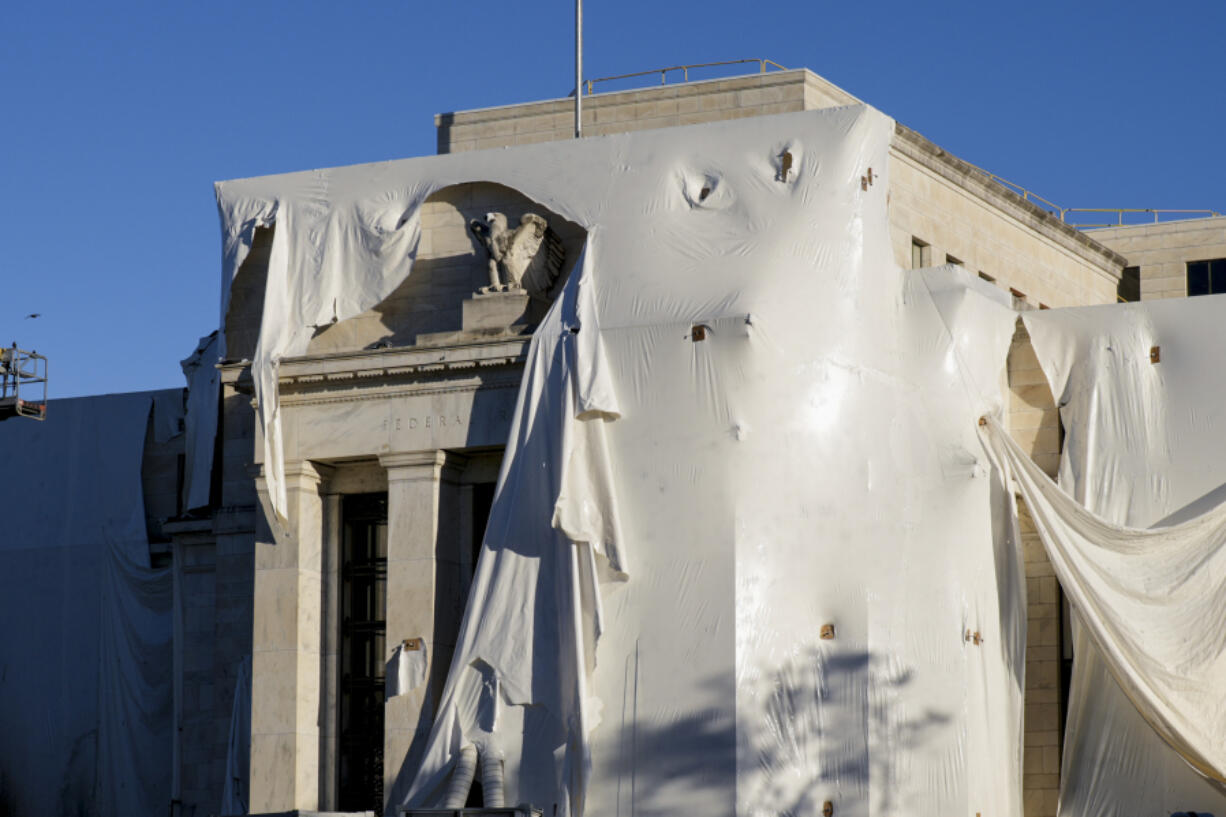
(21, 369)
(1026, 195)
(684, 69)
(1120, 212)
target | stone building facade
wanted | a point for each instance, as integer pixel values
(1169, 257)
(394, 425)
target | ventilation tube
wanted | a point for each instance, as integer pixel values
(491, 779)
(462, 778)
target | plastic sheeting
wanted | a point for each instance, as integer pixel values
(85, 687)
(1142, 450)
(203, 394)
(235, 790)
(706, 502)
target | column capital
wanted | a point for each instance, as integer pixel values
(431, 464)
(306, 471)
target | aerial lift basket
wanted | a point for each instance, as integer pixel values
(23, 384)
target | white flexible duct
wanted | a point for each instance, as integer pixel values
(462, 778)
(491, 779)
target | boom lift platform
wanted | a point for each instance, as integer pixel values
(23, 384)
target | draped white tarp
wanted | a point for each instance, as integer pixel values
(1140, 390)
(1152, 602)
(85, 687)
(739, 423)
(203, 394)
(236, 788)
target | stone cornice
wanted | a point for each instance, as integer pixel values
(915, 147)
(315, 378)
(412, 466)
(399, 365)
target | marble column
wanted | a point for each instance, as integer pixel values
(423, 595)
(286, 651)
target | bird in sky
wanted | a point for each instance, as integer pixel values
(34, 315)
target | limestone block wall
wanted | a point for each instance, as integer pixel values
(1034, 421)
(619, 112)
(213, 560)
(233, 533)
(961, 217)
(1162, 251)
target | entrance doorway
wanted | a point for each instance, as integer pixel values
(363, 636)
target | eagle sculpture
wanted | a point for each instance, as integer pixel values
(530, 257)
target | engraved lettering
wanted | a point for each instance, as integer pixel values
(412, 422)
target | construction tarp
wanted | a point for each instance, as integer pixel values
(1137, 535)
(203, 396)
(85, 686)
(744, 458)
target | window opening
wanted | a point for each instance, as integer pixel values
(921, 254)
(363, 651)
(1207, 277)
(483, 500)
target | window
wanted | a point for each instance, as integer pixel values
(1129, 288)
(921, 254)
(986, 277)
(1207, 277)
(949, 259)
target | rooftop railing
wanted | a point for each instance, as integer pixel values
(763, 67)
(1124, 216)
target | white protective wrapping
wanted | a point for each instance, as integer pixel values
(235, 790)
(203, 393)
(812, 461)
(1142, 450)
(85, 689)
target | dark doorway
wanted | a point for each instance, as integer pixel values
(363, 600)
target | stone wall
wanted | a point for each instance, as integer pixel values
(1162, 251)
(1034, 421)
(962, 217)
(213, 563)
(620, 112)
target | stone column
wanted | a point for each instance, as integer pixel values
(285, 667)
(423, 573)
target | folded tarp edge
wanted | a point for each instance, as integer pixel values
(1073, 537)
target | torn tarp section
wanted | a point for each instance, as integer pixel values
(203, 397)
(1140, 390)
(1139, 594)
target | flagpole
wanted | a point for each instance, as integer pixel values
(578, 68)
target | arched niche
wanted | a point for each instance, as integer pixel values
(450, 267)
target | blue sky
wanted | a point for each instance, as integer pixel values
(116, 119)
